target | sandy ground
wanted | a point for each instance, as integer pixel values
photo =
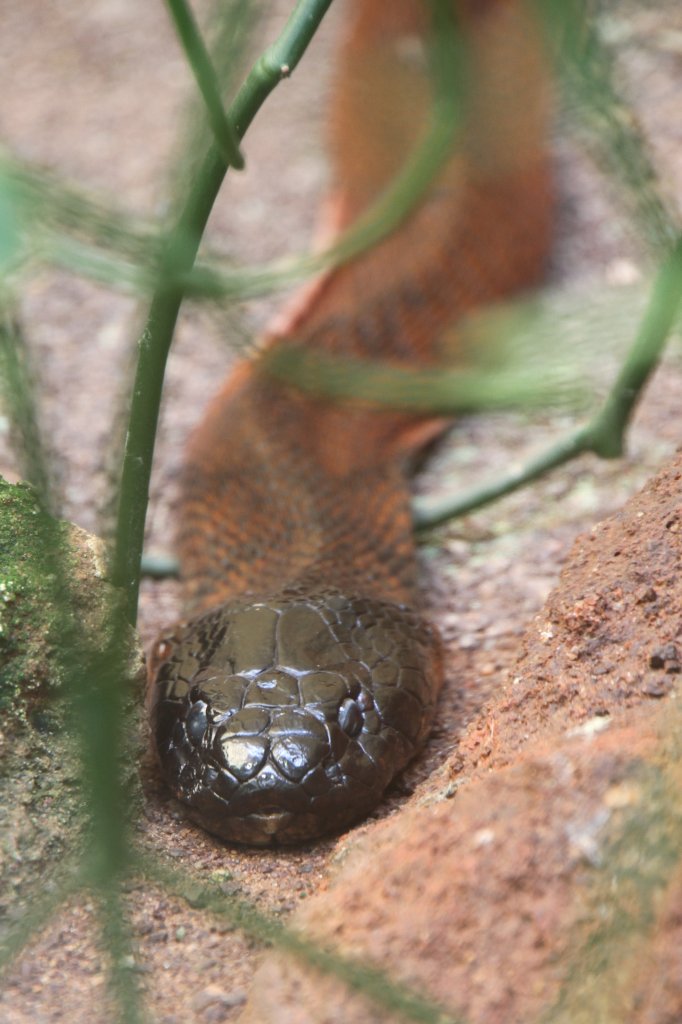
(96, 94)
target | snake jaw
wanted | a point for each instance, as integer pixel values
(283, 720)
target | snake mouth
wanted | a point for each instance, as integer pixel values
(263, 828)
(269, 776)
(267, 828)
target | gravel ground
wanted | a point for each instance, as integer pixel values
(97, 92)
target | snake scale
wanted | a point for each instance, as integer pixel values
(305, 676)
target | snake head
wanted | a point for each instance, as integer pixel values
(281, 720)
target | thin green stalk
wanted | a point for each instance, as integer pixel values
(438, 392)
(91, 663)
(607, 430)
(427, 515)
(131, 276)
(18, 398)
(204, 281)
(207, 80)
(386, 213)
(55, 893)
(277, 62)
(604, 434)
(588, 74)
(390, 209)
(97, 670)
(384, 992)
(50, 206)
(123, 981)
(93, 684)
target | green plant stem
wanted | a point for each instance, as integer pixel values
(364, 979)
(277, 62)
(588, 76)
(18, 398)
(207, 80)
(56, 208)
(67, 880)
(123, 981)
(391, 208)
(608, 428)
(204, 281)
(437, 392)
(604, 434)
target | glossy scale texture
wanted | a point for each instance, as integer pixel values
(294, 696)
(305, 678)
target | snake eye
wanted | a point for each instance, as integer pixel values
(196, 723)
(350, 717)
(160, 652)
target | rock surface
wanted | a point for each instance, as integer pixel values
(560, 830)
(52, 575)
(45, 563)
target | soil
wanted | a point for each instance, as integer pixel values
(485, 900)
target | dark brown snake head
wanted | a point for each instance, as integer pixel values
(281, 720)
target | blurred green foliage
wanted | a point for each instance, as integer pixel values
(44, 221)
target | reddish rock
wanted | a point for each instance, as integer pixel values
(549, 881)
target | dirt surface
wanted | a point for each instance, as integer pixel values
(96, 94)
(489, 879)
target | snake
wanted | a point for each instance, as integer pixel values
(305, 675)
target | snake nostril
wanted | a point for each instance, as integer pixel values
(364, 700)
(350, 717)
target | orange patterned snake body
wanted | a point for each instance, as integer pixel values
(306, 677)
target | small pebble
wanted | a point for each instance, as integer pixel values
(665, 656)
(213, 995)
(656, 687)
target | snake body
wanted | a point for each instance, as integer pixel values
(305, 676)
